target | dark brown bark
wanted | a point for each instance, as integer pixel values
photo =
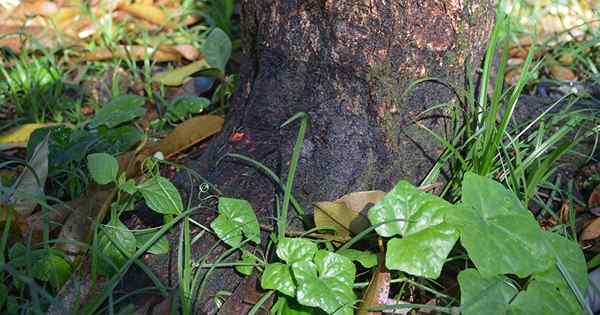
(346, 64)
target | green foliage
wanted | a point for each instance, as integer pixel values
(236, 217)
(161, 195)
(366, 258)
(217, 49)
(117, 244)
(419, 218)
(119, 110)
(103, 167)
(183, 107)
(495, 228)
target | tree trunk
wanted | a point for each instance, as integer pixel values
(346, 64)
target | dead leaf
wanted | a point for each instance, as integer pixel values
(19, 136)
(566, 59)
(136, 52)
(591, 231)
(512, 76)
(345, 214)
(188, 52)
(377, 292)
(30, 185)
(562, 73)
(146, 12)
(187, 134)
(594, 199)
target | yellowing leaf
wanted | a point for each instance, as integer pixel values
(18, 137)
(135, 51)
(344, 214)
(180, 75)
(146, 12)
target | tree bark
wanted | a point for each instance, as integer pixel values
(346, 64)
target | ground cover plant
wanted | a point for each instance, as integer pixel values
(92, 207)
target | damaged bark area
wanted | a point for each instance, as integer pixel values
(348, 65)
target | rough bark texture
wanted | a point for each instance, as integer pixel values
(346, 64)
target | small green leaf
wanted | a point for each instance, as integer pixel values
(236, 216)
(160, 247)
(161, 195)
(120, 109)
(217, 49)
(293, 250)
(52, 268)
(183, 107)
(366, 258)
(419, 218)
(479, 295)
(119, 139)
(277, 276)
(326, 283)
(129, 186)
(103, 167)
(109, 236)
(499, 234)
(247, 258)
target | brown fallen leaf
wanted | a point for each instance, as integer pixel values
(187, 134)
(591, 231)
(566, 59)
(344, 214)
(146, 12)
(594, 199)
(188, 52)
(136, 52)
(562, 73)
(377, 292)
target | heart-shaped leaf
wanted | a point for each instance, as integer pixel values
(247, 258)
(236, 216)
(120, 109)
(499, 234)
(326, 283)
(161, 195)
(293, 250)
(117, 244)
(549, 292)
(366, 258)
(217, 49)
(479, 295)
(419, 218)
(183, 107)
(103, 167)
(160, 247)
(278, 276)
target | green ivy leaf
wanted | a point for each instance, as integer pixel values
(479, 295)
(161, 195)
(293, 250)
(326, 283)
(366, 258)
(183, 107)
(499, 234)
(160, 247)
(419, 218)
(217, 49)
(52, 268)
(109, 236)
(548, 292)
(236, 216)
(278, 276)
(103, 167)
(120, 109)
(423, 253)
(248, 258)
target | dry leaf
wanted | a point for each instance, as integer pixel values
(377, 292)
(186, 134)
(19, 136)
(591, 231)
(566, 59)
(562, 73)
(512, 76)
(594, 199)
(149, 13)
(136, 52)
(345, 214)
(188, 52)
